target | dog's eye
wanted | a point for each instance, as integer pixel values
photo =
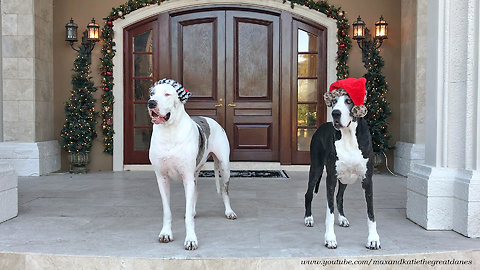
(348, 101)
(167, 94)
(334, 101)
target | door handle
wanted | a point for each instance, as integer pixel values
(232, 105)
(218, 105)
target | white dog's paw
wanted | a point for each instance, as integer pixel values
(231, 215)
(330, 240)
(373, 241)
(194, 214)
(165, 237)
(191, 243)
(309, 221)
(343, 221)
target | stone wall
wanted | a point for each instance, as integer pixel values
(27, 70)
(27, 82)
(412, 100)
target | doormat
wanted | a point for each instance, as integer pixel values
(249, 174)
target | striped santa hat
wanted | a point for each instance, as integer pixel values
(183, 93)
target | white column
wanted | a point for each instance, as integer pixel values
(444, 193)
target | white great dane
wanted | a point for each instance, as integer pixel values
(179, 148)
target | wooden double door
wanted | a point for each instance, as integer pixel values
(230, 59)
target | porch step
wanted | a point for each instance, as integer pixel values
(464, 259)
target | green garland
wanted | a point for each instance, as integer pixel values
(344, 43)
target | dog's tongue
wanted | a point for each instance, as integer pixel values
(159, 119)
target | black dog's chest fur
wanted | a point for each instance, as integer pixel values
(323, 145)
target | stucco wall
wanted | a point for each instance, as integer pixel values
(82, 13)
(370, 12)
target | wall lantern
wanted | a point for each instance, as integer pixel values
(362, 35)
(90, 36)
(381, 29)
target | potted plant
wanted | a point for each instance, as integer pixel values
(78, 130)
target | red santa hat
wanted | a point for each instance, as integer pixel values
(354, 88)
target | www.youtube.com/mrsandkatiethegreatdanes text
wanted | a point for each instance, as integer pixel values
(385, 262)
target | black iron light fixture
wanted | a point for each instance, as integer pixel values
(363, 37)
(90, 36)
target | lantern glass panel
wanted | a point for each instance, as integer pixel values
(381, 28)
(93, 31)
(71, 31)
(359, 29)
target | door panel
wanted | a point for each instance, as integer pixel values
(252, 55)
(140, 70)
(198, 61)
(252, 136)
(252, 89)
(309, 74)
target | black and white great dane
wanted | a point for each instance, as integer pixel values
(179, 148)
(344, 148)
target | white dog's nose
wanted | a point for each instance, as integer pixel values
(152, 104)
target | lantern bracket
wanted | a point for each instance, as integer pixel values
(367, 43)
(87, 46)
(90, 36)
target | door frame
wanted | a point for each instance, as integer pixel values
(286, 54)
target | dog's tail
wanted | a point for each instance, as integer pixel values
(217, 178)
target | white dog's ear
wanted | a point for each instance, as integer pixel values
(183, 95)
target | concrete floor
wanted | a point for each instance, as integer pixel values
(119, 214)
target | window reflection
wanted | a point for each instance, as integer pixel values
(307, 65)
(143, 65)
(143, 42)
(307, 90)
(304, 136)
(307, 115)
(142, 89)
(307, 42)
(142, 118)
(142, 139)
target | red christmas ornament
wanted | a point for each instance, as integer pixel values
(109, 73)
(341, 45)
(343, 34)
(106, 89)
(110, 23)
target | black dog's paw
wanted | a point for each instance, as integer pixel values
(309, 221)
(343, 221)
